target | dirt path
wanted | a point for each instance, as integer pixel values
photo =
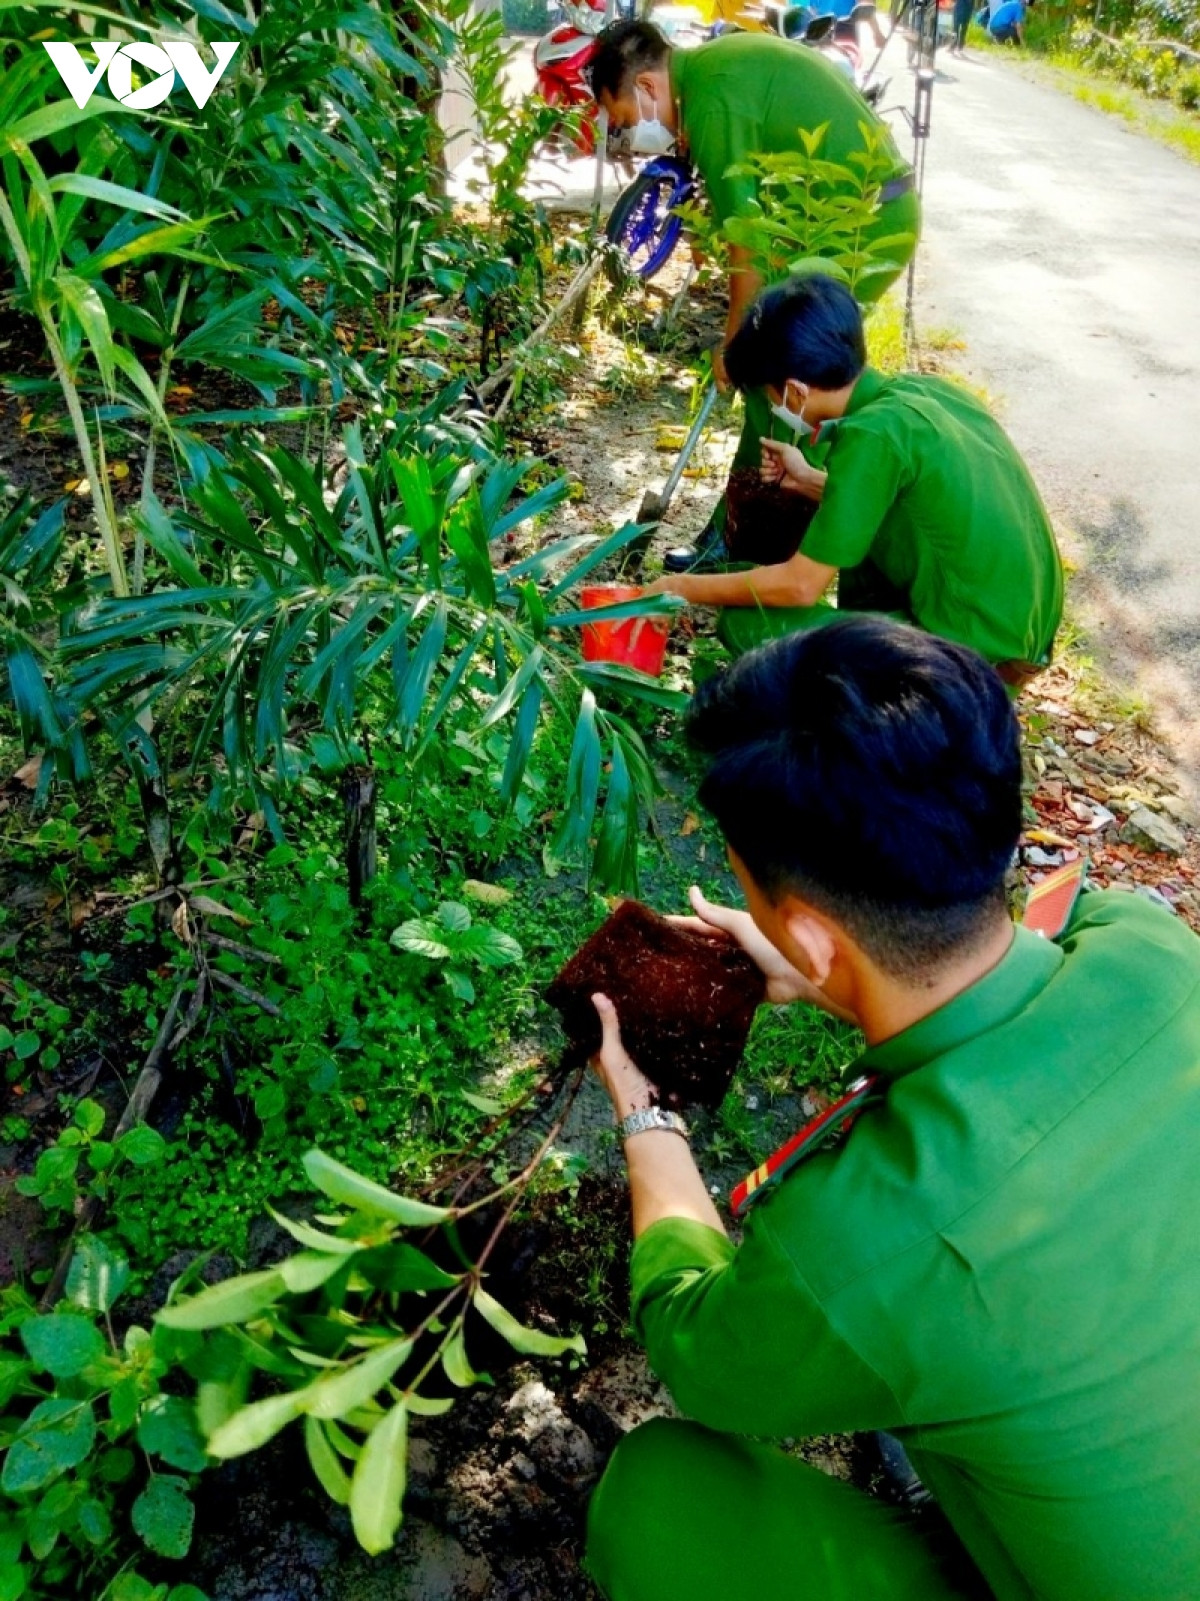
(1064, 248)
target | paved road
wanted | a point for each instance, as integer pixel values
(1066, 250)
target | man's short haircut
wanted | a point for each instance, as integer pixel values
(874, 771)
(809, 328)
(623, 50)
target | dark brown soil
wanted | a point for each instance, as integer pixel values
(764, 523)
(685, 1002)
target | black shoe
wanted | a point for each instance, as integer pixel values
(708, 551)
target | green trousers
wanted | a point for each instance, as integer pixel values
(682, 1512)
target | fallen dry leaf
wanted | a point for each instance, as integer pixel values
(181, 925)
(210, 908)
(690, 824)
(28, 774)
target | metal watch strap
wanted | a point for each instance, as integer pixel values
(652, 1117)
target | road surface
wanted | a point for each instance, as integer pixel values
(1066, 251)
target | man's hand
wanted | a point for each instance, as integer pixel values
(785, 983)
(668, 584)
(720, 376)
(786, 466)
(628, 1087)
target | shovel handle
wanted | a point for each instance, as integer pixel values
(689, 444)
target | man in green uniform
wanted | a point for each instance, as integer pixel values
(999, 1265)
(740, 94)
(926, 510)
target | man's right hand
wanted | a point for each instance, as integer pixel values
(786, 466)
(785, 983)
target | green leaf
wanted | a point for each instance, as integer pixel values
(454, 1359)
(460, 985)
(424, 1406)
(63, 1343)
(163, 1516)
(57, 1435)
(95, 1524)
(186, 1592)
(454, 917)
(254, 1425)
(307, 1270)
(143, 1146)
(331, 1476)
(89, 1116)
(79, 183)
(340, 1393)
(97, 1275)
(13, 1580)
(377, 1488)
(342, 1184)
(401, 1267)
(168, 1429)
(235, 1300)
(530, 1342)
(315, 1239)
(421, 937)
(490, 947)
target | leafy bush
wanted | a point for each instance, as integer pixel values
(357, 1332)
(96, 1457)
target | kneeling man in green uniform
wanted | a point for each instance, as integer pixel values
(926, 510)
(999, 1263)
(738, 95)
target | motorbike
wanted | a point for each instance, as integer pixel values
(561, 60)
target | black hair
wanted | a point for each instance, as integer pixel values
(623, 50)
(874, 771)
(808, 328)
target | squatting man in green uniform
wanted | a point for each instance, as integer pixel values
(1000, 1263)
(926, 510)
(741, 94)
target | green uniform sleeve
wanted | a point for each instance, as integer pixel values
(866, 472)
(740, 1340)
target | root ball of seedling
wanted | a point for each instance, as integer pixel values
(685, 1002)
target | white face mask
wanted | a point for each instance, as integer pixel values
(649, 136)
(793, 420)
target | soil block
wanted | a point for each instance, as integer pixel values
(763, 523)
(686, 1002)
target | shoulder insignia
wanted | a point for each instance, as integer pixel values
(1051, 902)
(809, 1139)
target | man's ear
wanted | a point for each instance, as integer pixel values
(810, 935)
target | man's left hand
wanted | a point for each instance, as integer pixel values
(628, 1087)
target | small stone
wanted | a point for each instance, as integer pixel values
(1035, 856)
(752, 1103)
(1153, 832)
(1120, 765)
(1176, 807)
(1087, 736)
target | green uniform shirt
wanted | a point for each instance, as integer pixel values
(927, 489)
(747, 92)
(1001, 1264)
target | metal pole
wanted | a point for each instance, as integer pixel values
(921, 117)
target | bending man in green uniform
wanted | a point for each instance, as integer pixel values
(926, 510)
(999, 1264)
(741, 94)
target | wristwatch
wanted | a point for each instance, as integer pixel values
(652, 1117)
